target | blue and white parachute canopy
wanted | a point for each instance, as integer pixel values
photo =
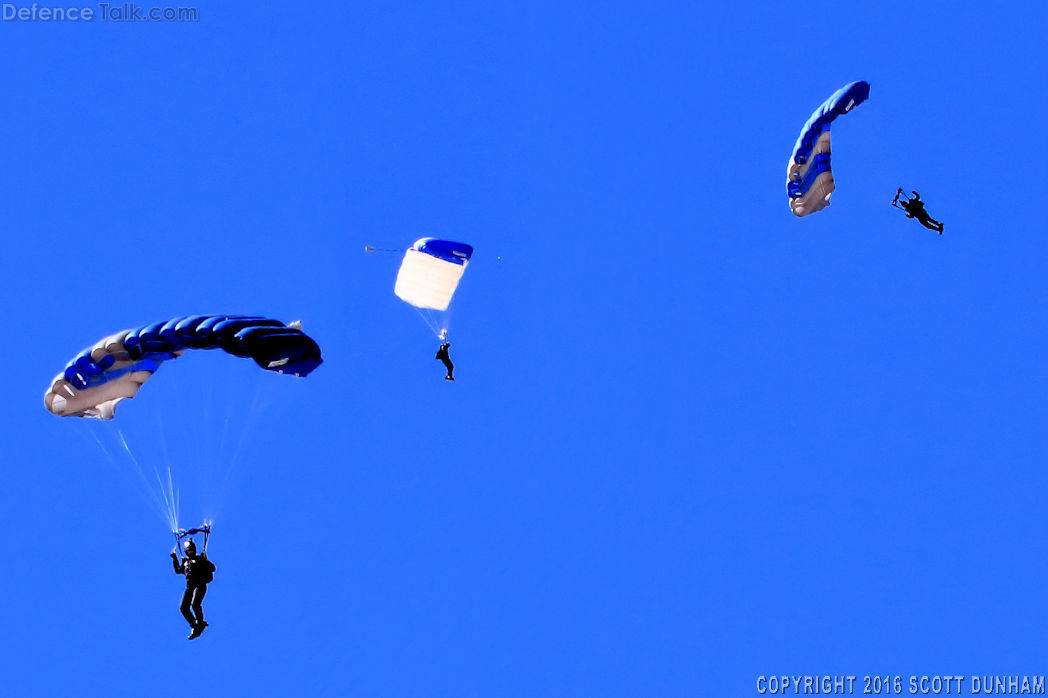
(809, 181)
(431, 272)
(99, 377)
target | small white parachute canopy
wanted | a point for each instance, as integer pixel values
(431, 271)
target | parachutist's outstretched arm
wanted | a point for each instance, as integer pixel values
(175, 563)
(916, 196)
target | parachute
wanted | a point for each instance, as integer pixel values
(429, 274)
(99, 377)
(809, 181)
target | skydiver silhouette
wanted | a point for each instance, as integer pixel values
(442, 354)
(914, 208)
(198, 571)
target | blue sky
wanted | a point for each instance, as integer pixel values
(693, 439)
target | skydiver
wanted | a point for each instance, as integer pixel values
(198, 571)
(914, 208)
(442, 354)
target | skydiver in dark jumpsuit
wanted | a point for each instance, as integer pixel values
(198, 571)
(914, 208)
(442, 354)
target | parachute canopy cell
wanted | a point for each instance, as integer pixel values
(809, 181)
(431, 271)
(99, 377)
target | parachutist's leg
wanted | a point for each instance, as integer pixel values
(928, 223)
(198, 600)
(187, 599)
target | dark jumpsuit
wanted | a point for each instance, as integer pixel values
(915, 209)
(442, 354)
(196, 569)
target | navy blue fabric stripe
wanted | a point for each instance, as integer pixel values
(820, 164)
(840, 102)
(449, 251)
(263, 339)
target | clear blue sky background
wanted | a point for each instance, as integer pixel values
(693, 439)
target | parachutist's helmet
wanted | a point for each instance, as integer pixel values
(190, 547)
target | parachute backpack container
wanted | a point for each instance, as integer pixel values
(430, 273)
(809, 179)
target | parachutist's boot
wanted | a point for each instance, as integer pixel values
(200, 627)
(195, 634)
(448, 378)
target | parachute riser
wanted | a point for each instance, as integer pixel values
(185, 533)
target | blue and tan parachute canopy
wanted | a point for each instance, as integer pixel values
(809, 181)
(99, 377)
(431, 271)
